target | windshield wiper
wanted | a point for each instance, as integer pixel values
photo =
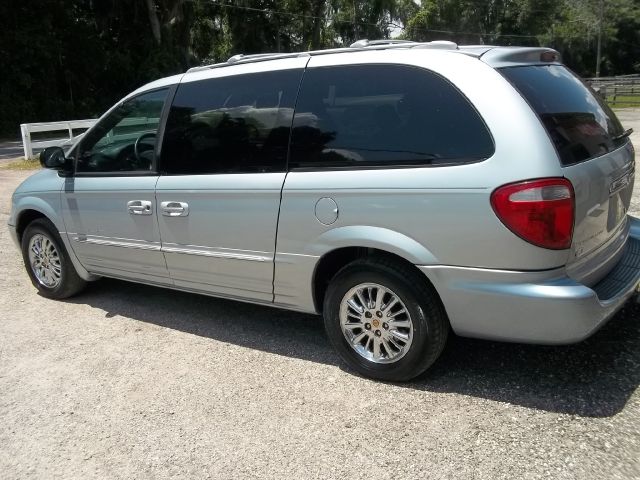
(624, 134)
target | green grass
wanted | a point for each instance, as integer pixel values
(22, 164)
(625, 101)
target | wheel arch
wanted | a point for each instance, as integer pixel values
(32, 208)
(25, 217)
(339, 246)
(333, 261)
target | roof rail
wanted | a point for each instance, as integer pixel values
(363, 44)
(372, 43)
(439, 45)
(242, 58)
(254, 56)
(436, 44)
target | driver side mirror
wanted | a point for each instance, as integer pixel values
(53, 157)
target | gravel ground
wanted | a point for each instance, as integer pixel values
(130, 381)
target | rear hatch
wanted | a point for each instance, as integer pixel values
(596, 155)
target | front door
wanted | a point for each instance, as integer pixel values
(109, 205)
(223, 166)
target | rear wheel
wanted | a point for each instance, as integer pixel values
(47, 261)
(384, 319)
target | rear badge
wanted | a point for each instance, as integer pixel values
(619, 184)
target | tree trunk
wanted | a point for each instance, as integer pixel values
(154, 21)
(318, 13)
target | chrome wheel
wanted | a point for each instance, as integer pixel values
(376, 323)
(45, 261)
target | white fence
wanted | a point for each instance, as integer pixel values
(28, 128)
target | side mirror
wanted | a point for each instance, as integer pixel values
(53, 157)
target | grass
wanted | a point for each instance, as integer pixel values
(22, 164)
(624, 101)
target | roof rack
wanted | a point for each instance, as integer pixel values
(435, 44)
(360, 45)
(439, 45)
(373, 43)
(255, 57)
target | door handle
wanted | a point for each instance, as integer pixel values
(140, 207)
(175, 209)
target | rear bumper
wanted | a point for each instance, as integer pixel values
(534, 307)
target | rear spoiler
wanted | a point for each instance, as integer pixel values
(513, 56)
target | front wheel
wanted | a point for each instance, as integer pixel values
(47, 262)
(384, 319)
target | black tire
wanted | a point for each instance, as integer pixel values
(69, 283)
(430, 323)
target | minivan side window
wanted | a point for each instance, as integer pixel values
(235, 124)
(124, 141)
(384, 115)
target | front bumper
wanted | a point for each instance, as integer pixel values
(534, 307)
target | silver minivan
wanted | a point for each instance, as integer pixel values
(399, 189)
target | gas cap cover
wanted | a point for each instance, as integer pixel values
(326, 210)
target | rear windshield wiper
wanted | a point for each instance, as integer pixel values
(624, 134)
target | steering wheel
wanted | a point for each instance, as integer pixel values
(136, 146)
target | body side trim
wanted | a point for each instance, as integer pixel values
(217, 252)
(115, 242)
(173, 247)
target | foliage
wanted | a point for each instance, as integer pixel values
(66, 59)
(570, 26)
(502, 22)
(574, 32)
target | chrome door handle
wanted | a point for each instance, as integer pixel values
(140, 207)
(175, 209)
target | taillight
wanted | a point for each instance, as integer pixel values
(539, 211)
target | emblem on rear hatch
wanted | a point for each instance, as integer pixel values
(619, 183)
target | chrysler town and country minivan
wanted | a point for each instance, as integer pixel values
(400, 189)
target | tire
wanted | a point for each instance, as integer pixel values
(57, 278)
(407, 343)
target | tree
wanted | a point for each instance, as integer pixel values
(574, 32)
(80, 56)
(497, 22)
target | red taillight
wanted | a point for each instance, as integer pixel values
(538, 211)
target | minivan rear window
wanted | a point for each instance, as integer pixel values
(579, 122)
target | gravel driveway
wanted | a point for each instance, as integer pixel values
(130, 381)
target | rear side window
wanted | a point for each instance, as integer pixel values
(578, 121)
(384, 115)
(236, 124)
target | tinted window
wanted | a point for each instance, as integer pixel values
(579, 123)
(381, 115)
(124, 141)
(236, 124)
